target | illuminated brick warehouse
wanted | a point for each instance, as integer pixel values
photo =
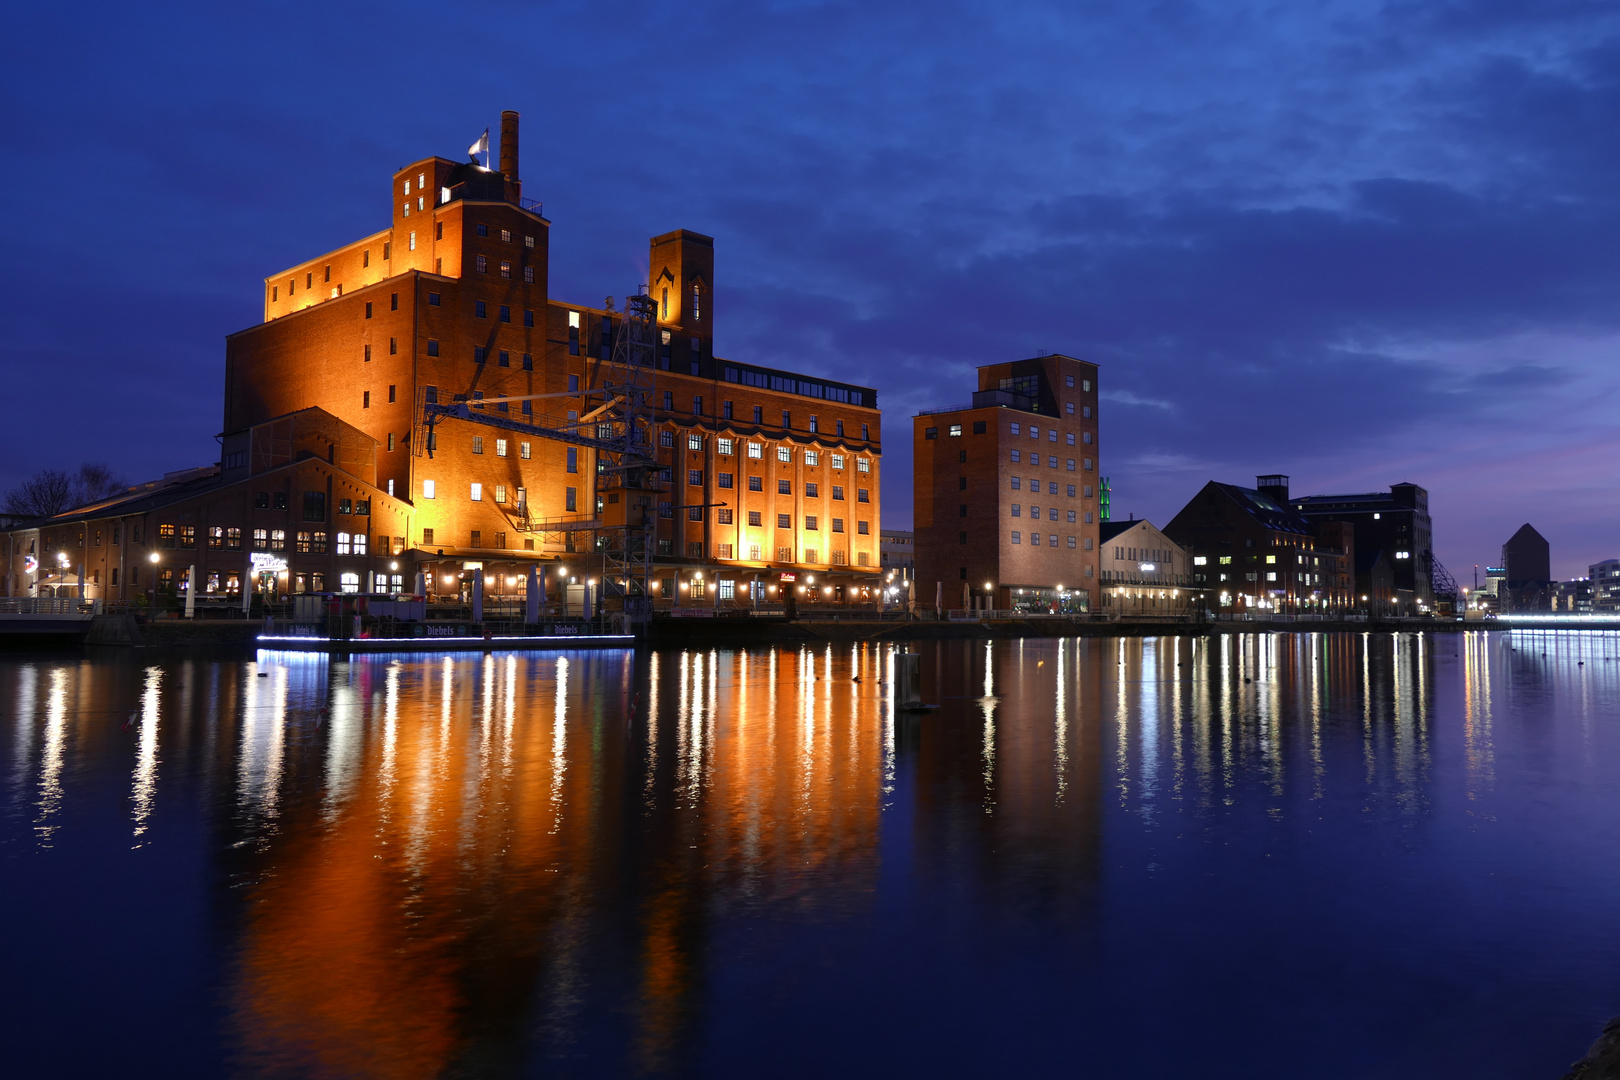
(1005, 489)
(488, 401)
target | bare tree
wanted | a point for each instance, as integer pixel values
(49, 492)
(45, 493)
(97, 482)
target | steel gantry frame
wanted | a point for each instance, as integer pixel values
(616, 423)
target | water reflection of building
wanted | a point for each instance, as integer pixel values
(485, 829)
(1008, 779)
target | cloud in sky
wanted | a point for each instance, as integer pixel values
(1354, 242)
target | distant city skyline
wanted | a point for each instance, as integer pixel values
(1357, 246)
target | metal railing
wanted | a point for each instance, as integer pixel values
(48, 605)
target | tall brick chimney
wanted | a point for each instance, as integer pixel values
(509, 152)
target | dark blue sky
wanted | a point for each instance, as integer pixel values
(1358, 243)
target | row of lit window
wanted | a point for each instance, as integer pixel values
(1052, 512)
(725, 516)
(1051, 540)
(501, 447)
(475, 492)
(1035, 481)
(725, 447)
(694, 550)
(694, 478)
(1035, 486)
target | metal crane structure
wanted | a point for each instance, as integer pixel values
(616, 422)
(1441, 583)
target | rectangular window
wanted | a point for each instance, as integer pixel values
(722, 446)
(694, 442)
(784, 521)
(812, 457)
(365, 399)
(476, 492)
(570, 499)
(784, 454)
(427, 489)
(838, 525)
(784, 487)
(314, 506)
(756, 450)
(863, 465)
(433, 347)
(863, 528)
(694, 513)
(572, 453)
(500, 447)
(694, 477)
(500, 493)
(723, 515)
(343, 543)
(481, 264)
(753, 519)
(759, 414)
(480, 309)
(261, 539)
(433, 299)
(478, 444)
(723, 479)
(756, 483)
(523, 451)
(863, 495)
(427, 537)
(505, 313)
(393, 346)
(1015, 537)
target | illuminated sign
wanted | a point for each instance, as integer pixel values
(1146, 568)
(30, 564)
(263, 563)
(788, 577)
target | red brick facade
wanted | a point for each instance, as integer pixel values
(1027, 445)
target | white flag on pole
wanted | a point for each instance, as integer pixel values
(481, 146)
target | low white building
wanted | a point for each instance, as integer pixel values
(1144, 572)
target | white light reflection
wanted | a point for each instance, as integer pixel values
(27, 702)
(1060, 731)
(50, 772)
(649, 791)
(559, 744)
(145, 791)
(264, 725)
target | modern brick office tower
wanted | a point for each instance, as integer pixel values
(766, 470)
(1005, 491)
